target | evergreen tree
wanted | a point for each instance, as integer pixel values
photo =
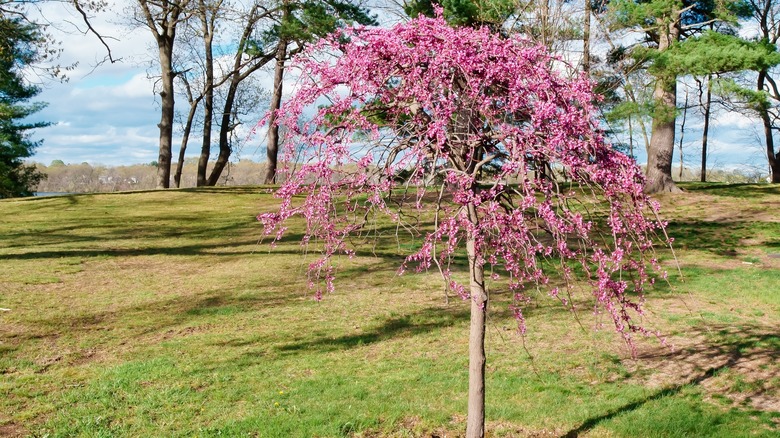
(21, 44)
(669, 26)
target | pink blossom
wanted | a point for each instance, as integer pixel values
(417, 113)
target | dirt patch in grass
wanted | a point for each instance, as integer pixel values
(738, 364)
(12, 430)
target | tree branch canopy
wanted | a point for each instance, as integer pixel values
(425, 99)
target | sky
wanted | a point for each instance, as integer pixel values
(107, 114)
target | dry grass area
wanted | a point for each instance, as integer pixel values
(161, 314)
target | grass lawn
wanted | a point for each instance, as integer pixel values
(161, 314)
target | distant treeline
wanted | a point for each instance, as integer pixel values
(86, 178)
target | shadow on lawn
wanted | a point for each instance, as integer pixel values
(733, 190)
(749, 351)
(419, 322)
(722, 238)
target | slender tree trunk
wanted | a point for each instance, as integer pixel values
(166, 115)
(208, 100)
(706, 130)
(475, 422)
(586, 39)
(184, 140)
(773, 158)
(545, 23)
(276, 100)
(660, 151)
(682, 136)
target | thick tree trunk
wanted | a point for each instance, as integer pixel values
(660, 151)
(773, 159)
(475, 422)
(166, 115)
(706, 130)
(224, 133)
(272, 151)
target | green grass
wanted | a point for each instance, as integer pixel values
(161, 314)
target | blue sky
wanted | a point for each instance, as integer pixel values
(108, 114)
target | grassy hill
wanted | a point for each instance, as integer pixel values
(161, 314)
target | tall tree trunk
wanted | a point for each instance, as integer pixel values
(224, 133)
(545, 23)
(706, 130)
(586, 38)
(184, 140)
(475, 421)
(208, 100)
(660, 151)
(272, 150)
(682, 137)
(773, 158)
(165, 46)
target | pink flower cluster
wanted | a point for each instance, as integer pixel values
(426, 117)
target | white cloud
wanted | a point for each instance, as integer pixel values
(108, 114)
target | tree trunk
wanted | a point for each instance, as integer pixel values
(661, 149)
(706, 130)
(586, 39)
(224, 133)
(184, 140)
(165, 46)
(772, 158)
(682, 137)
(208, 100)
(475, 422)
(272, 150)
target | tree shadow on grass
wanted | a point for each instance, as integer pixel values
(413, 324)
(749, 351)
(742, 190)
(722, 238)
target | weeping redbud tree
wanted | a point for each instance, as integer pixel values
(479, 130)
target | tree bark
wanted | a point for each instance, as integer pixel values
(475, 422)
(224, 134)
(272, 150)
(184, 140)
(706, 130)
(167, 17)
(586, 38)
(773, 159)
(661, 149)
(682, 137)
(166, 113)
(237, 75)
(208, 100)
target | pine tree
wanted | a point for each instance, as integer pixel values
(671, 51)
(21, 45)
